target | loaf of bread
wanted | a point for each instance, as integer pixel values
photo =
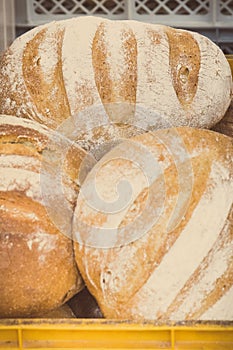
(37, 267)
(135, 76)
(153, 227)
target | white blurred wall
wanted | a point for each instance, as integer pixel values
(7, 23)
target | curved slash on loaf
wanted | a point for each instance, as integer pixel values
(184, 58)
(42, 71)
(199, 279)
(159, 237)
(115, 69)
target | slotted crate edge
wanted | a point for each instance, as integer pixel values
(216, 26)
(213, 15)
(114, 334)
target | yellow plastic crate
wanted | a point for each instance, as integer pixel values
(62, 334)
(230, 60)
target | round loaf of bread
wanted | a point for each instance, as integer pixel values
(107, 72)
(37, 267)
(153, 227)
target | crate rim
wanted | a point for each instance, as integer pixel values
(55, 334)
(25, 323)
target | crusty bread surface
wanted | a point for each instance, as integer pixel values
(37, 266)
(165, 253)
(105, 73)
(153, 223)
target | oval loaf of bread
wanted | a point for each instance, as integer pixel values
(153, 227)
(37, 267)
(122, 67)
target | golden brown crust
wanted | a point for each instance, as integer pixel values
(162, 240)
(63, 311)
(119, 90)
(184, 58)
(16, 218)
(47, 91)
(101, 66)
(121, 279)
(128, 85)
(222, 284)
(37, 266)
(35, 280)
(123, 66)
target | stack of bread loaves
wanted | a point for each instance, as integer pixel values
(37, 268)
(108, 176)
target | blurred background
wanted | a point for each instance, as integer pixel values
(213, 18)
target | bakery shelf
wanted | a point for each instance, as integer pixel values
(110, 334)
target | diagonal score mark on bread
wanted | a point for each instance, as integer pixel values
(157, 237)
(184, 58)
(141, 280)
(138, 71)
(43, 75)
(161, 239)
(115, 69)
(192, 289)
(192, 236)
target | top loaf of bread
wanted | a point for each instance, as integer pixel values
(179, 78)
